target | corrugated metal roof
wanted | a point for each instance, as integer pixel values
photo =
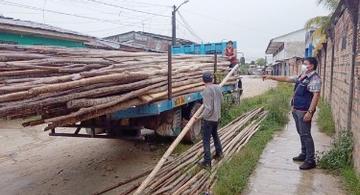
(273, 47)
(36, 25)
(164, 37)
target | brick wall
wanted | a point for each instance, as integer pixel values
(355, 119)
(321, 68)
(341, 70)
(336, 78)
(294, 66)
(327, 72)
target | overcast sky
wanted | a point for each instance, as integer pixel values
(252, 23)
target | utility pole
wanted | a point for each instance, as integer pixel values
(173, 22)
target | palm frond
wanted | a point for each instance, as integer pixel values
(329, 4)
(317, 22)
(319, 35)
(321, 23)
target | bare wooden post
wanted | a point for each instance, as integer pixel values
(169, 72)
(177, 141)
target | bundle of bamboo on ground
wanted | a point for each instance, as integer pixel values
(182, 175)
(67, 85)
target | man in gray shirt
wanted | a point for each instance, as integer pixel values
(212, 99)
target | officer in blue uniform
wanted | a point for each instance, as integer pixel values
(305, 99)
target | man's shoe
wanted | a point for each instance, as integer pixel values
(300, 158)
(205, 165)
(307, 165)
(218, 157)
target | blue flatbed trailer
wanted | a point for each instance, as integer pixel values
(165, 117)
(149, 116)
(158, 107)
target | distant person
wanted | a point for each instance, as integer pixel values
(212, 100)
(305, 99)
(230, 54)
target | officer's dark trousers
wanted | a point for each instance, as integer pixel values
(210, 129)
(304, 130)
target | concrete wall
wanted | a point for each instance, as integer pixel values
(336, 77)
(279, 56)
(294, 49)
(142, 40)
(298, 36)
(294, 46)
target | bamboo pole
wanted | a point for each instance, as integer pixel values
(181, 175)
(123, 182)
(177, 141)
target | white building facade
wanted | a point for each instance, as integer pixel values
(284, 48)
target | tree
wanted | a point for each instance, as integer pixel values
(242, 61)
(321, 23)
(252, 62)
(261, 61)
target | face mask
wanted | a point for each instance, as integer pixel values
(303, 68)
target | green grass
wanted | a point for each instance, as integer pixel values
(181, 147)
(338, 160)
(351, 179)
(325, 120)
(340, 153)
(233, 176)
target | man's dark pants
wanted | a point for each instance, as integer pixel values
(210, 129)
(304, 130)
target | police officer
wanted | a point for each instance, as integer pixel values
(305, 99)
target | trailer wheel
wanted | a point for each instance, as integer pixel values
(194, 133)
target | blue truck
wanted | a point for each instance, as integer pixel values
(165, 117)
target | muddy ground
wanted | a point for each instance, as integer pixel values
(31, 162)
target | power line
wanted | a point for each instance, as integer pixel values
(151, 4)
(222, 21)
(118, 13)
(123, 24)
(62, 13)
(191, 33)
(129, 9)
(188, 27)
(110, 29)
(42, 10)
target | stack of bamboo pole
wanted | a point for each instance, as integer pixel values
(182, 175)
(66, 85)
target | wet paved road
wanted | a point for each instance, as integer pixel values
(277, 174)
